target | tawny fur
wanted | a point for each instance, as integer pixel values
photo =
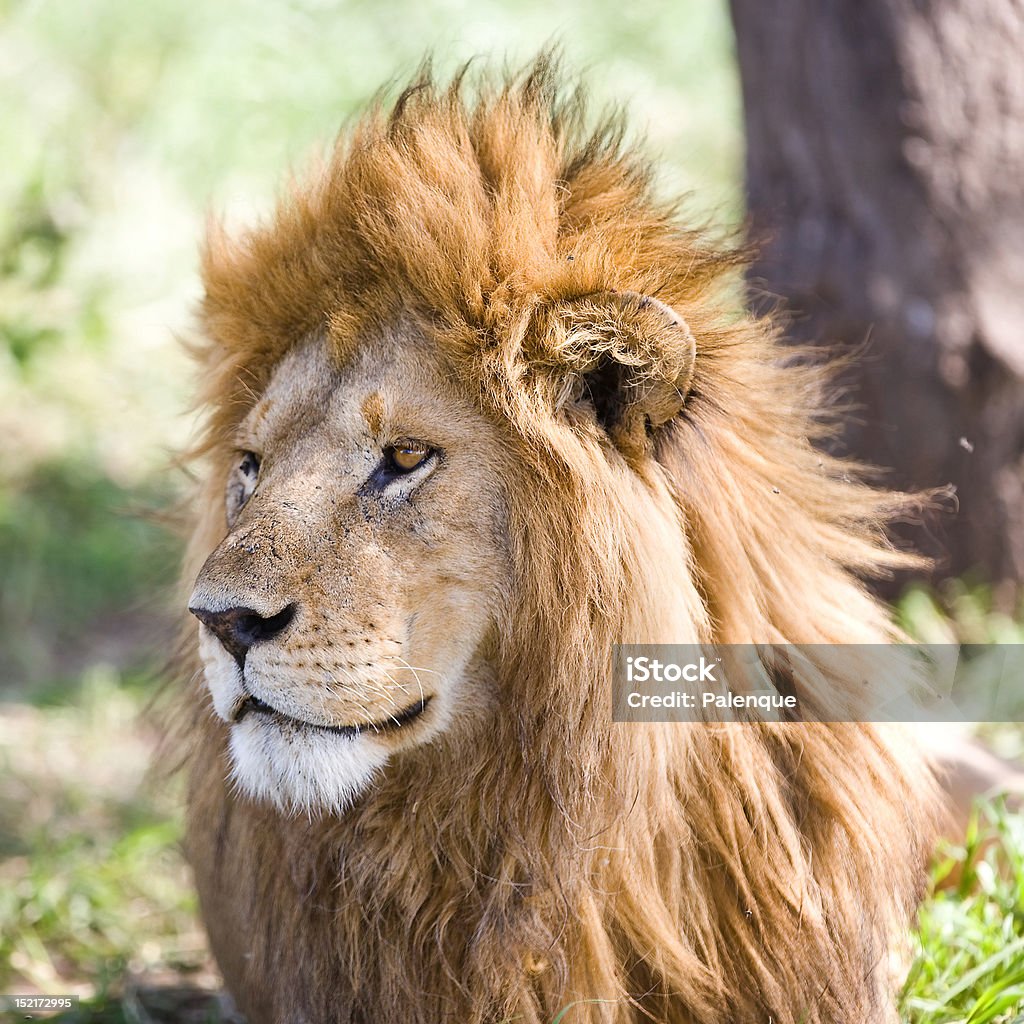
(704, 874)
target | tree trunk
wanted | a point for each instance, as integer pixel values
(885, 171)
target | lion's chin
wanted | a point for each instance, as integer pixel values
(302, 771)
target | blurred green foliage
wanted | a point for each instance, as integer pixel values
(959, 611)
(123, 124)
(82, 556)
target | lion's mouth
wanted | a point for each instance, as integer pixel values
(253, 705)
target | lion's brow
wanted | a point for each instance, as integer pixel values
(373, 412)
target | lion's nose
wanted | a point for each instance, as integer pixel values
(239, 628)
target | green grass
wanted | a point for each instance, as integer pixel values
(94, 891)
(969, 964)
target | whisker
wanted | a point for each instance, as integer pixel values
(416, 673)
(412, 668)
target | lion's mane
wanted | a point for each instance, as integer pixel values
(690, 873)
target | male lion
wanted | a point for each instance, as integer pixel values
(481, 408)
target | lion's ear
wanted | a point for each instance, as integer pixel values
(630, 356)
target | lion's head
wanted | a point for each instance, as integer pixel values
(370, 568)
(480, 408)
(348, 612)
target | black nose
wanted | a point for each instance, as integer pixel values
(239, 628)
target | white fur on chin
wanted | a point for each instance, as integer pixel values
(302, 770)
(299, 770)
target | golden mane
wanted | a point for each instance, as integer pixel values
(687, 873)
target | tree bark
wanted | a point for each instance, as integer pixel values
(885, 172)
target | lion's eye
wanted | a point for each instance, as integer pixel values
(242, 483)
(249, 467)
(404, 458)
(404, 466)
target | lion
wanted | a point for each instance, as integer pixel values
(479, 407)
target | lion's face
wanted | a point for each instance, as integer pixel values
(347, 613)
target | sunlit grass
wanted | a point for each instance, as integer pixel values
(969, 964)
(94, 892)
